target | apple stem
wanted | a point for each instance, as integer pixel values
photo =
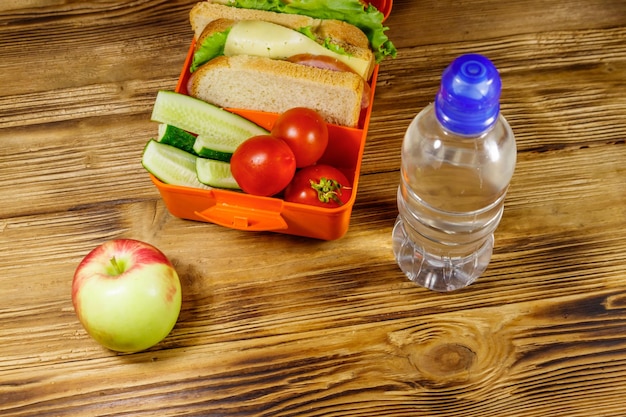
(116, 266)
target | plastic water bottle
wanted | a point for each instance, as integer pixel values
(458, 157)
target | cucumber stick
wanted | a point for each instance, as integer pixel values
(215, 173)
(172, 135)
(171, 165)
(207, 148)
(215, 148)
(206, 120)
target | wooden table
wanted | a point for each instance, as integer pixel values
(277, 325)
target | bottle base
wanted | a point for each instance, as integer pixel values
(438, 273)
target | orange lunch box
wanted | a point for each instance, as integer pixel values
(242, 211)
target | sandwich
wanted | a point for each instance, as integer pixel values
(355, 12)
(275, 60)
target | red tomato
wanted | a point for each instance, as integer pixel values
(306, 133)
(263, 165)
(319, 185)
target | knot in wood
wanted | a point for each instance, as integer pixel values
(449, 359)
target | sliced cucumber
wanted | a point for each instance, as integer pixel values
(171, 165)
(204, 119)
(214, 148)
(172, 135)
(215, 173)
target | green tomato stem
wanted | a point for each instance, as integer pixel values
(327, 190)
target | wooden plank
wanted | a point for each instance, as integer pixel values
(277, 325)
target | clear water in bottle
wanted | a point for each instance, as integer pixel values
(458, 157)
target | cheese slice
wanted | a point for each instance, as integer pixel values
(266, 39)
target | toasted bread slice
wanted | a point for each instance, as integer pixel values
(257, 83)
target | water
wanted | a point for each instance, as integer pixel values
(450, 201)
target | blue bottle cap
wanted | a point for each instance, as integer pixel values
(468, 101)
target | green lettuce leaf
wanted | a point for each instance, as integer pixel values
(211, 47)
(367, 18)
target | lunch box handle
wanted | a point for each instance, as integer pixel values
(261, 214)
(251, 220)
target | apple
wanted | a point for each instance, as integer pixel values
(127, 295)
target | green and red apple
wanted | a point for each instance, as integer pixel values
(127, 295)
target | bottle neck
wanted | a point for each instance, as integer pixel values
(463, 122)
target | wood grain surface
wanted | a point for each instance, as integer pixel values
(277, 325)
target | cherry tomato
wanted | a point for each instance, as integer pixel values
(306, 133)
(319, 185)
(263, 165)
